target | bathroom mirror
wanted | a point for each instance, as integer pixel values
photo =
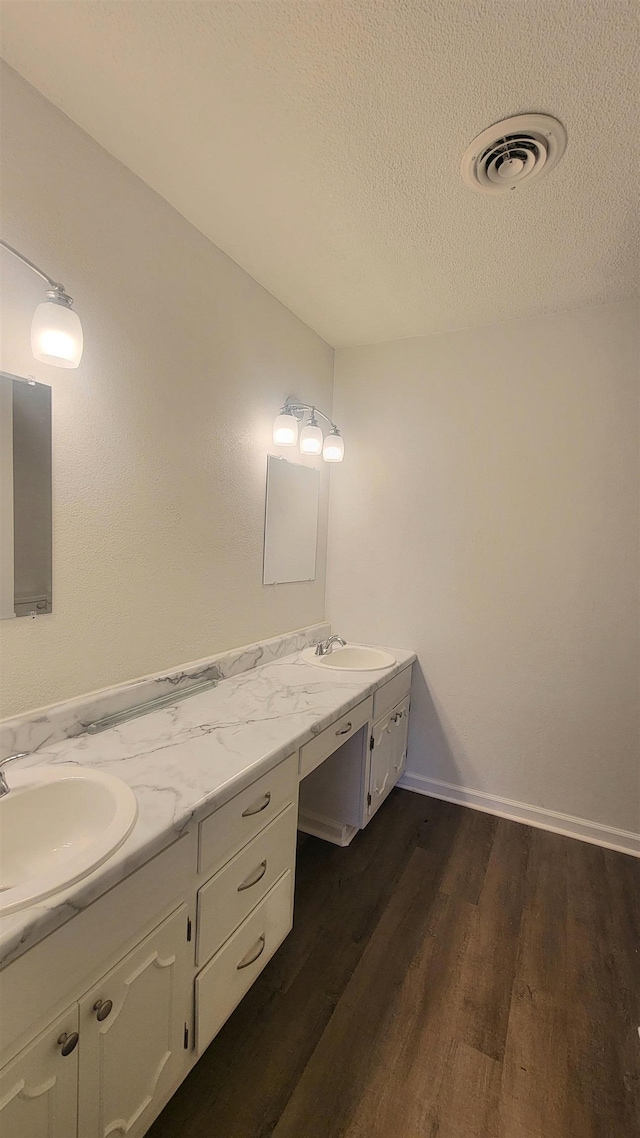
(25, 497)
(291, 522)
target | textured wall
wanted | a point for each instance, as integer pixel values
(488, 517)
(160, 437)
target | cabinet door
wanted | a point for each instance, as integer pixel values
(380, 779)
(133, 1033)
(39, 1088)
(400, 733)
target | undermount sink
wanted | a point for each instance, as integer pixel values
(57, 824)
(351, 658)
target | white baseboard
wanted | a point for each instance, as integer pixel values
(623, 840)
(336, 832)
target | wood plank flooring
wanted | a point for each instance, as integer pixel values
(450, 975)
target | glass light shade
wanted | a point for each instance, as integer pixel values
(311, 438)
(56, 334)
(333, 449)
(285, 430)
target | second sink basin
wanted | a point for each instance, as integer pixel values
(351, 658)
(57, 824)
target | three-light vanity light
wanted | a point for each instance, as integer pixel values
(311, 439)
(56, 331)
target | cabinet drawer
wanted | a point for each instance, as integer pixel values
(236, 889)
(223, 833)
(222, 984)
(391, 693)
(328, 741)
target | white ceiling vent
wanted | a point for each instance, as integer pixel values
(513, 153)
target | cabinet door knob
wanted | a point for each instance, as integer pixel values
(345, 730)
(68, 1042)
(253, 809)
(102, 1008)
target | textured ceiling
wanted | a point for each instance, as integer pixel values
(319, 143)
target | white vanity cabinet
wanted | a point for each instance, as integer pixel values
(123, 984)
(229, 896)
(39, 1088)
(245, 909)
(345, 782)
(132, 1028)
(401, 738)
(101, 1066)
(388, 754)
(101, 1020)
(223, 982)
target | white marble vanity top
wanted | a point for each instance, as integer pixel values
(186, 760)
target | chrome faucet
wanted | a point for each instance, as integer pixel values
(326, 646)
(4, 788)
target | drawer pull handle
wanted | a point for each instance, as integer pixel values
(102, 1008)
(252, 955)
(254, 877)
(68, 1043)
(345, 730)
(256, 809)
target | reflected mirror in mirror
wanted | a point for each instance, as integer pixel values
(291, 522)
(25, 497)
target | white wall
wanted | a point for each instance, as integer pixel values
(160, 437)
(488, 517)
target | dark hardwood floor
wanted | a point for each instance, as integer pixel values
(450, 974)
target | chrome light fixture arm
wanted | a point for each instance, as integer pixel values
(296, 408)
(57, 289)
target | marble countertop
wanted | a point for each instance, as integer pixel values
(185, 760)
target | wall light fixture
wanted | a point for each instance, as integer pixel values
(56, 331)
(312, 439)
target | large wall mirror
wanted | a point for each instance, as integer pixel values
(291, 522)
(25, 497)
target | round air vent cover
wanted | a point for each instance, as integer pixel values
(513, 153)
